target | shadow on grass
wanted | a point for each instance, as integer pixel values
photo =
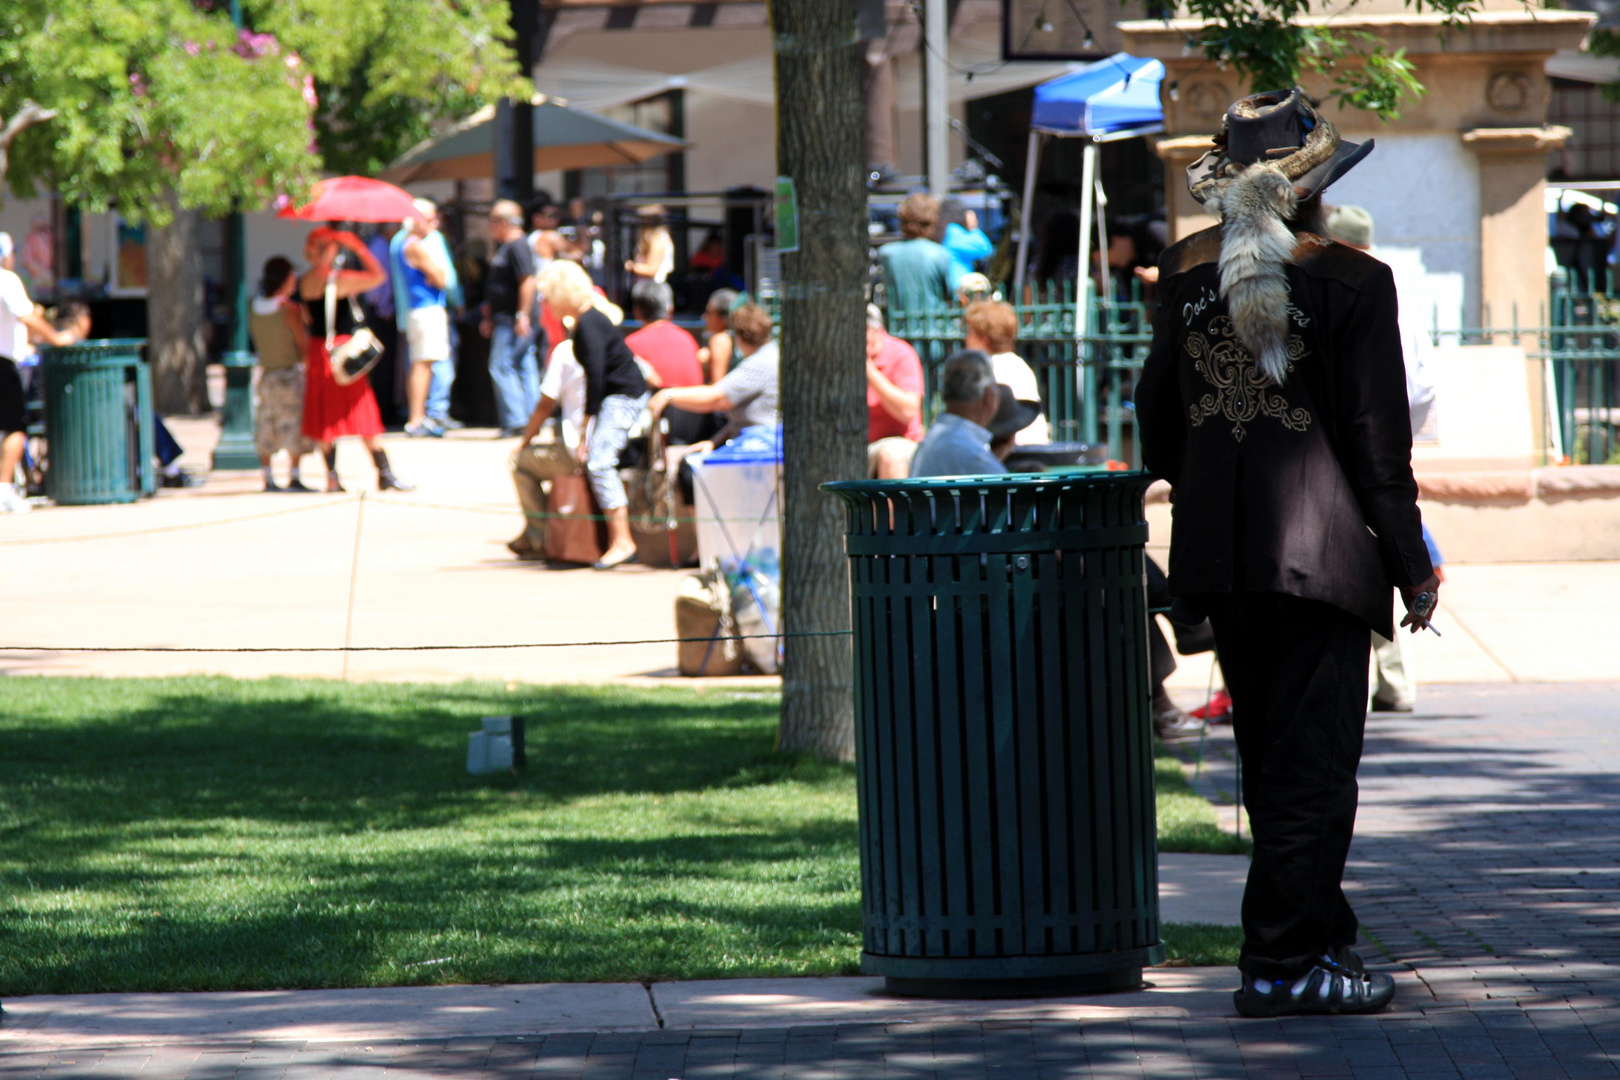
(597, 909)
(213, 833)
(347, 757)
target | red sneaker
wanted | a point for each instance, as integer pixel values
(1218, 711)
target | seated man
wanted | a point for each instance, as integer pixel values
(958, 443)
(533, 463)
(671, 358)
(672, 352)
(894, 391)
(749, 393)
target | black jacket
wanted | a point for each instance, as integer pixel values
(610, 366)
(1304, 489)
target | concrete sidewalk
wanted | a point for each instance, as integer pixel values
(462, 1012)
(224, 566)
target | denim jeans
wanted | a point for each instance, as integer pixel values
(444, 374)
(514, 373)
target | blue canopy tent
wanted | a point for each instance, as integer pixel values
(1116, 98)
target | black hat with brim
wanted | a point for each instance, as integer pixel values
(1012, 415)
(1274, 126)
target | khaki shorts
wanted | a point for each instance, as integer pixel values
(427, 330)
(279, 422)
(896, 445)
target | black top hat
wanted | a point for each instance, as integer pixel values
(1279, 127)
(1012, 415)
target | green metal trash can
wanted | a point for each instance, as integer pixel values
(1003, 739)
(98, 420)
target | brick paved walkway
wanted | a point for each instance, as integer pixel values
(1486, 869)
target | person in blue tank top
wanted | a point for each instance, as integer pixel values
(424, 276)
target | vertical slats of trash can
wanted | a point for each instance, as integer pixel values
(949, 722)
(1014, 610)
(869, 805)
(1053, 751)
(87, 404)
(907, 825)
(913, 518)
(1005, 780)
(147, 436)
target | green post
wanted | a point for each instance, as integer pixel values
(236, 449)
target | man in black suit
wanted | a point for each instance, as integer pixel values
(1274, 402)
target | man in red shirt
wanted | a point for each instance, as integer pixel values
(671, 351)
(894, 391)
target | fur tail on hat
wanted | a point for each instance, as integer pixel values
(1256, 244)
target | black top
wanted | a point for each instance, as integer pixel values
(344, 316)
(507, 270)
(610, 366)
(1306, 488)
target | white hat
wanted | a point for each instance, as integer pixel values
(7, 246)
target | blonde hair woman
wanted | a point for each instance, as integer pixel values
(615, 394)
(655, 250)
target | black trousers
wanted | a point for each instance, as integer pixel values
(1297, 673)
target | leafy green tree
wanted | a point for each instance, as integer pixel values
(1264, 40)
(154, 97)
(386, 70)
(151, 96)
(169, 110)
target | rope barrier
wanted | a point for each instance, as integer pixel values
(463, 647)
(635, 519)
(154, 530)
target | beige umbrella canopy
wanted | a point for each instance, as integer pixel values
(564, 138)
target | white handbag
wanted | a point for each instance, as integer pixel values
(354, 359)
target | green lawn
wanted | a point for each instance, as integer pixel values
(201, 834)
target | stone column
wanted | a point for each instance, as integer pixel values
(1513, 224)
(1513, 219)
(880, 102)
(1184, 215)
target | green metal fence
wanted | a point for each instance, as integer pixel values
(1085, 378)
(1576, 344)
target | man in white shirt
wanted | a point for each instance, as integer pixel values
(17, 318)
(562, 391)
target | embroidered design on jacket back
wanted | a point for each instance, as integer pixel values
(1242, 392)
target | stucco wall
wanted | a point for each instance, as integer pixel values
(1423, 193)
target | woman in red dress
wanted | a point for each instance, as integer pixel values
(332, 411)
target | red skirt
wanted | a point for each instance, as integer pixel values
(332, 411)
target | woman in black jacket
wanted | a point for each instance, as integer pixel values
(615, 394)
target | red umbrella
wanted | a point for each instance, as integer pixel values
(353, 198)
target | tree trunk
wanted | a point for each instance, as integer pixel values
(176, 313)
(820, 145)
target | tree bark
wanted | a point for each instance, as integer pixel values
(820, 145)
(176, 313)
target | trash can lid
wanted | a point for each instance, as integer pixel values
(758, 445)
(1070, 477)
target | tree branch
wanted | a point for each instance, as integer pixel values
(29, 114)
